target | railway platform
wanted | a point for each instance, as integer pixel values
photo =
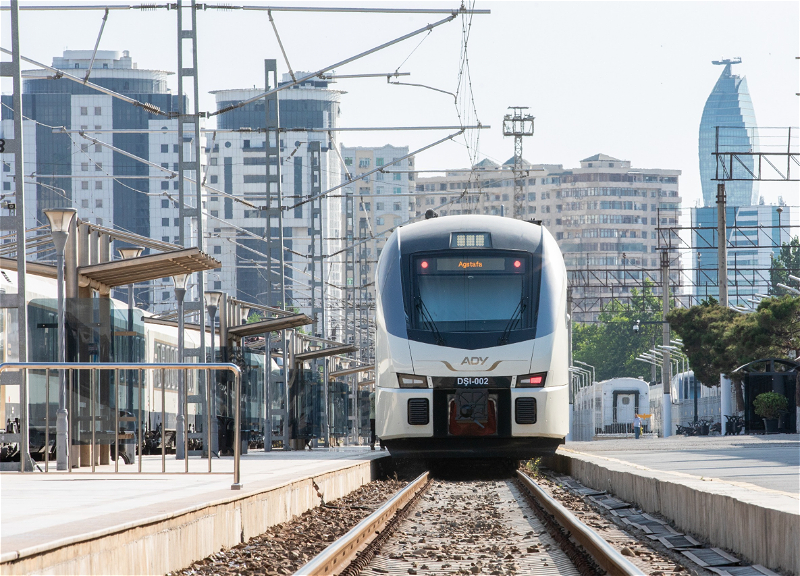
(741, 493)
(152, 523)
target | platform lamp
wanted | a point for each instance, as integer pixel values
(60, 221)
(212, 298)
(179, 281)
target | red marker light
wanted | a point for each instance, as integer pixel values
(517, 263)
(424, 264)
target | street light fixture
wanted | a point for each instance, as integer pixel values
(179, 280)
(127, 254)
(212, 298)
(60, 221)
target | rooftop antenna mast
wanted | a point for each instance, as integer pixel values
(518, 124)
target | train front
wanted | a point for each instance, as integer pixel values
(471, 341)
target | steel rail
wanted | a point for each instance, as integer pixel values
(343, 551)
(601, 551)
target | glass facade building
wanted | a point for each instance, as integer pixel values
(728, 107)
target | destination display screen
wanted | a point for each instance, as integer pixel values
(476, 264)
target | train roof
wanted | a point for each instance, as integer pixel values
(506, 233)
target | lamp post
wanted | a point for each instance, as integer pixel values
(212, 299)
(127, 254)
(179, 280)
(60, 220)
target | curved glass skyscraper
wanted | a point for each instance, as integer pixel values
(729, 107)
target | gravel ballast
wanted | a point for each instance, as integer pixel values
(286, 547)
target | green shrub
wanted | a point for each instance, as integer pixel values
(769, 405)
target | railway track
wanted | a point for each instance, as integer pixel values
(479, 527)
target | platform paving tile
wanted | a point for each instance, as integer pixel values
(37, 508)
(757, 462)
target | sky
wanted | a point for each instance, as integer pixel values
(627, 79)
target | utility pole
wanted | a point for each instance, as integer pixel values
(666, 406)
(189, 126)
(15, 146)
(722, 247)
(518, 124)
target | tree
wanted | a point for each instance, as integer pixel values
(611, 345)
(787, 262)
(718, 340)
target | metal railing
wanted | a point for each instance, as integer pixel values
(66, 369)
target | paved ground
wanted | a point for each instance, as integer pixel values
(771, 462)
(37, 508)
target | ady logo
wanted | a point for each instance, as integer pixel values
(474, 360)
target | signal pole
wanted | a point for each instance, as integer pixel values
(518, 124)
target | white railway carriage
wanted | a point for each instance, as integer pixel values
(471, 346)
(610, 406)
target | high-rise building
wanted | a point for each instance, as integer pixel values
(375, 205)
(237, 166)
(66, 169)
(605, 216)
(728, 124)
(753, 239)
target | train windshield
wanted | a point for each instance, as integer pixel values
(486, 292)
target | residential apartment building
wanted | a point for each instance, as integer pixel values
(66, 169)
(605, 215)
(373, 206)
(237, 166)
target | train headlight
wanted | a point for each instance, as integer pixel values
(532, 380)
(412, 381)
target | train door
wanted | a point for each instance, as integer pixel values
(626, 408)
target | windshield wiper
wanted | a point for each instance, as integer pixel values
(514, 321)
(428, 320)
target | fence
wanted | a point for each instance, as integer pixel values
(31, 372)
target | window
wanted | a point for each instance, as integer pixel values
(363, 162)
(165, 204)
(175, 185)
(84, 111)
(217, 249)
(98, 148)
(98, 203)
(379, 176)
(367, 206)
(396, 206)
(213, 179)
(98, 185)
(165, 185)
(397, 176)
(85, 203)
(98, 127)
(165, 221)
(165, 148)
(175, 166)
(348, 161)
(215, 213)
(217, 284)
(84, 166)
(531, 196)
(378, 161)
(84, 185)
(165, 295)
(379, 221)
(85, 148)
(397, 190)
(165, 238)
(165, 165)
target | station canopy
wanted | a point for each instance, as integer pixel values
(144, 268)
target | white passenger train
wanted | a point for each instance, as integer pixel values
(471, 344)
(609, 407)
